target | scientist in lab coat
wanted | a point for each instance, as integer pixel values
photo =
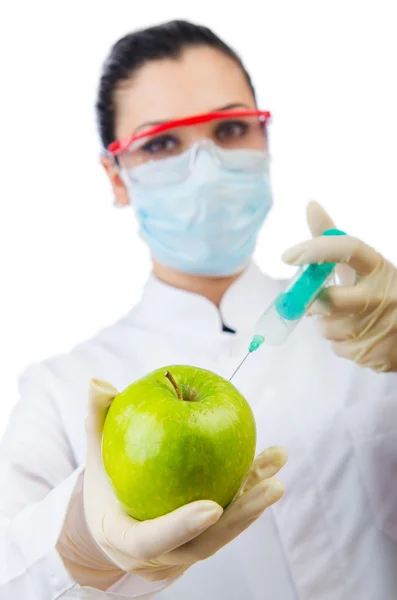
(186, 145)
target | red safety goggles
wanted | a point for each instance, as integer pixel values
(118, 147)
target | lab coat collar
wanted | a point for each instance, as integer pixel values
(168, 308)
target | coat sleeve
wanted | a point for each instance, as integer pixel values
(372, 425)
(38, 475)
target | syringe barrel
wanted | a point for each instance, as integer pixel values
(287, 310)
(273, 328)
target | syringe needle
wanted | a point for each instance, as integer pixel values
(245, 357)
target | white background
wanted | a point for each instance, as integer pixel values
(70, 262)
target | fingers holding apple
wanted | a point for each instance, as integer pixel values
(267, 464)
(164, 458)
(238, 516)
(178, 446)
(145, 541)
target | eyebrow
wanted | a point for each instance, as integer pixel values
(221, 108)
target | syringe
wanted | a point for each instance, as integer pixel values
(286, 311)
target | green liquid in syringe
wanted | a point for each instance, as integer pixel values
(293, 304)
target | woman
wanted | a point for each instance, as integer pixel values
(199, 185)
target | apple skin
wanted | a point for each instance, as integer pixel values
(161, 452)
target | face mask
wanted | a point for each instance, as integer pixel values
(208, 223)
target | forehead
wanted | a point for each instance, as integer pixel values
(201, 80)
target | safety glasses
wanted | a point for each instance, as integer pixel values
(167, 152)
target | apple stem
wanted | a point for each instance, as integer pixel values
(174, 383)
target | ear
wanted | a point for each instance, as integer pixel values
(118, 185)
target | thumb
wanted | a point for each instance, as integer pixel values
(100, 396)
(318, 219)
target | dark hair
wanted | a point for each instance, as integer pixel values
(131, 52)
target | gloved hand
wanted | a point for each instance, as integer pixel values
(161, 548)
(360, 319)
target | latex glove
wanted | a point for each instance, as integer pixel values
(161, 548)
(360, 319)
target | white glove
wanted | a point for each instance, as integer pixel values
(360, 319)
(161, 548)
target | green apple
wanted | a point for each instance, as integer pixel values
(177, 435)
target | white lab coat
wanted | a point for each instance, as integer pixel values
(334, 534)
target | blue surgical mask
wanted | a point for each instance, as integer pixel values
(208, 223)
